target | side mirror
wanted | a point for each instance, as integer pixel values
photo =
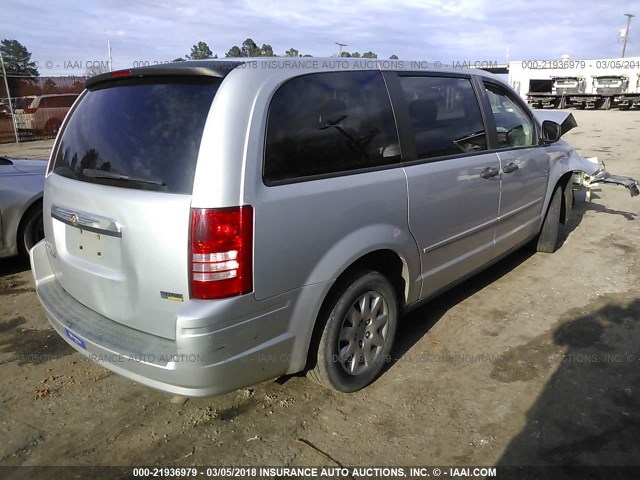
(551, 131)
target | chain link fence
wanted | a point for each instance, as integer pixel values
(32, 108)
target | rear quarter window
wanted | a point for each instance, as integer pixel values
(136, 133)
(329, 123)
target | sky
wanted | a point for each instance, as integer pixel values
(64, 35)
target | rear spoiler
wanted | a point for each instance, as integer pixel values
(177, 69)
(566, 120)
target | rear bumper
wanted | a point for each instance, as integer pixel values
(246, 342)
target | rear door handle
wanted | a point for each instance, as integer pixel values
(489, 172)
(510, 168)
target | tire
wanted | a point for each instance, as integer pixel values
(31, 229)
(549, 237)
(52, 127)
(356, 339)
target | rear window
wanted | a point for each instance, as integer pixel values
(142, 134)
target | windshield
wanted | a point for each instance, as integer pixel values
(141, 133)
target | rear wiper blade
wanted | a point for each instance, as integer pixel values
(95, 173)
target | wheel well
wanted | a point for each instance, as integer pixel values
(387, 262)
(565, 181)
(37, 203)
(51, 122)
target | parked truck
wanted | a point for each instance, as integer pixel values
(607, 88)
(607, 91)
(563, 88)
(627, 100)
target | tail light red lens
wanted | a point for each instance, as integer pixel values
(121, 73)
(221, 256)
(29, 110)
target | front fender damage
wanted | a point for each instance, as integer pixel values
(605, 177)
(587, 172)
(592, 177)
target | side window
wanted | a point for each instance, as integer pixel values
(55, 102)
(513, 125)
(445, 116)
(68, 100)
(329, 123)
(45, 102)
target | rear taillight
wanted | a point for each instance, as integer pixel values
(29, 110)
(221, 256)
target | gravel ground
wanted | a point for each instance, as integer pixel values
(39, 149)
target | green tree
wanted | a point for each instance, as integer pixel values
(234, 52)
(345, 54)
(292, 52)
(369, 54)
(76, 87)
(266, 50)
(200, 51)
(17, 59)
(179, 59)
(250, 49)
(393, 57)
(49, 86)
(19, 67)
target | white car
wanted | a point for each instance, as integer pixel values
(21, 186)
(44, 113)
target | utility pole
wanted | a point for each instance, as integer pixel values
(626, 32)
(110, 59)
(341, 45)
(11, 112)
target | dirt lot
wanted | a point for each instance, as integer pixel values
(536, 361)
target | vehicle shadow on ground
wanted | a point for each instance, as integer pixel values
(581, 207)
(417, 323)
(13, 265)
(589, 411)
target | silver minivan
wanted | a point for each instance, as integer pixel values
(212, 224)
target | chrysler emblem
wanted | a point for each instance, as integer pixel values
(74, 219)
